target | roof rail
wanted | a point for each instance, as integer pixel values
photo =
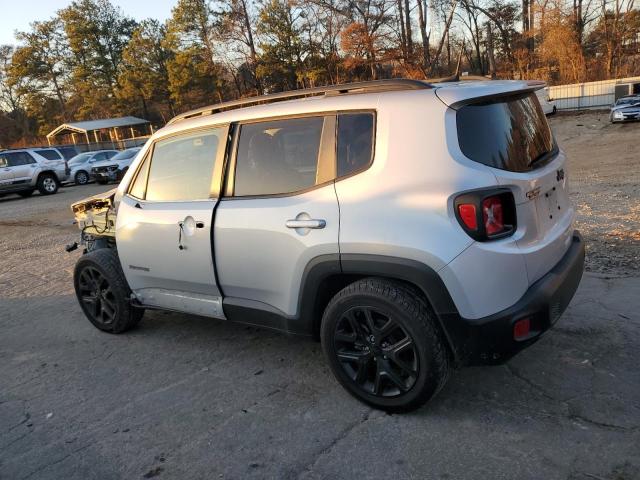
(357, 87)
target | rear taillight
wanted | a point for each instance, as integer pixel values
(492, 215)
(487, 214)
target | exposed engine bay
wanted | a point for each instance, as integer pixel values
(96, 216)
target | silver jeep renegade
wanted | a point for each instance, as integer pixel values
(412, 227)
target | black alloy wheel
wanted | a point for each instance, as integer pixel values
(96, 295)
(384, 345)
(376, 352)
(103, 292)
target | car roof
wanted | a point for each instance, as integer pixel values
(447, 92)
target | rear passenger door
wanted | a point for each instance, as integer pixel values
(21, 165)
(279, 212)
(164, 223)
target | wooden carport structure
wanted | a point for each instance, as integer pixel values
(123, 132)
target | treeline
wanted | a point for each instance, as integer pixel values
(92, 61)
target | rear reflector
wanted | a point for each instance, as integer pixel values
(467, 213)
(521, 329)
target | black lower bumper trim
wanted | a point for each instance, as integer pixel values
(489, 340)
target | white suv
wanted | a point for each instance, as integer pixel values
(412, 227)
(26, 170)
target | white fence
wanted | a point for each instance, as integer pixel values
(586, 95)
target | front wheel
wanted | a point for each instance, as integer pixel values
(383, 345)
(103, 292)
(82, 178)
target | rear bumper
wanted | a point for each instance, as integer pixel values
(490, 340)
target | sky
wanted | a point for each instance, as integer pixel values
(18, 14)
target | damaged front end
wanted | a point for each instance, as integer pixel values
(96, 219)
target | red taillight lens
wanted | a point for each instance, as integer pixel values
(521, 329)
(492, 215)
(467, 213)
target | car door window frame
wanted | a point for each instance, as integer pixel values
(218, 167)
(327, 166)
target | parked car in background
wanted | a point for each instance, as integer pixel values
(548, 106)
(625, 109)
(113, 170)
(23, 171)
(80, 165)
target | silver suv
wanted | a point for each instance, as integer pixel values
(25, 170)
(412, 227)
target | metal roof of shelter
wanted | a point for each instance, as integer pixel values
(90, 125)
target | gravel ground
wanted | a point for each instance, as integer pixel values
(183, 397)
(604, 175)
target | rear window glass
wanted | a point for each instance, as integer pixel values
(510, 134)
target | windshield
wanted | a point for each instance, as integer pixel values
(509, 134)
(83, 157)
(627, 101)
(126, 154)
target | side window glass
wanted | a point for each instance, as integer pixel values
(100, 156)
(278, 156)
(49, 154)
(16, 159)
(108, 155)
(139, 184)
(182, 166)
(355, 142)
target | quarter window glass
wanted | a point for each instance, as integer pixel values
(49, 154)
(279, 156)
(355, 142)
(182, 167)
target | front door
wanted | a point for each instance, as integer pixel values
(164, 224)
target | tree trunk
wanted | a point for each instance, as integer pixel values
(444, 34)
(407, 16)
(490, 57)
(403, 36)
(422, 19)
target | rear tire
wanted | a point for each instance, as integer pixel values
(48, 184)
(383, 345)
(103, 292)
(26, 193)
